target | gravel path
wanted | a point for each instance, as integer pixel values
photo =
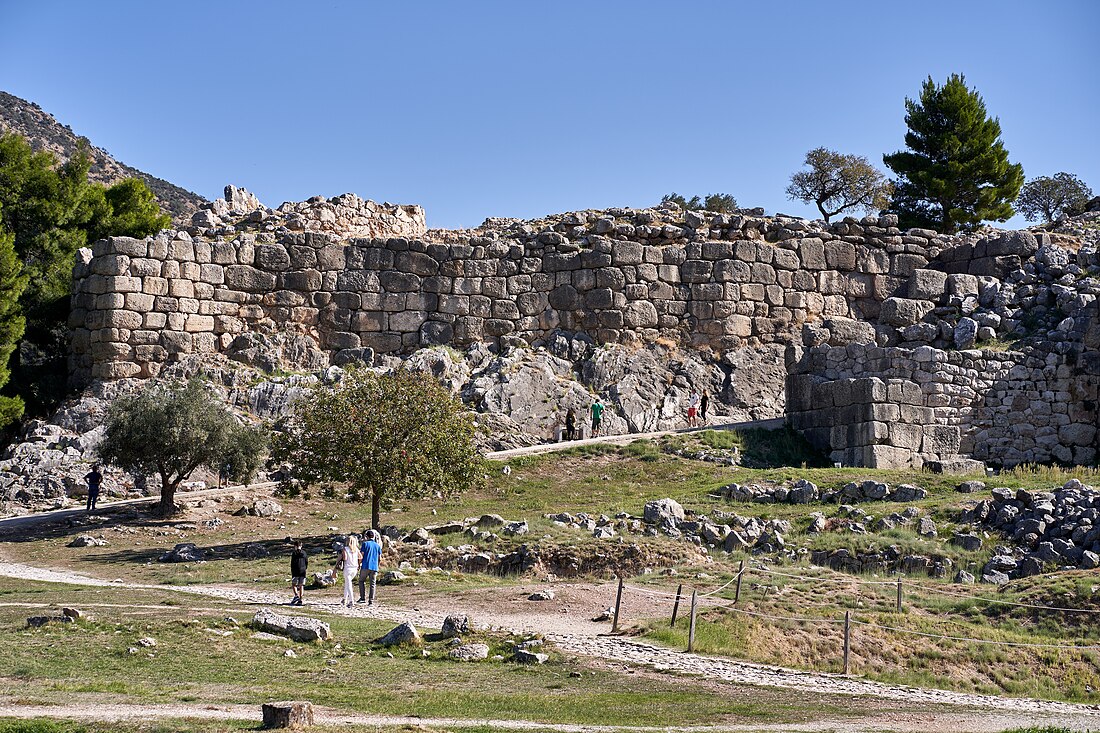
(933, 722)
(580, 636)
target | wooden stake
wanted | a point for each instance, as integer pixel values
(740, 574)
(847, 638)
(899, 594)
(676, 605)
(691, 627)
(618, 604)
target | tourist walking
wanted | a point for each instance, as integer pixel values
(704, 403)
(571, 424)
(348, 562)
(95, 481)
(368, 571)
(597, 417)
(299, 561)
(693, 409)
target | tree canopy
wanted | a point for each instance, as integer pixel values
(955, 173)
(721, 203)
(386, 436)
(1052, 197)
(52, 210)
(836, 182)
(172, 430)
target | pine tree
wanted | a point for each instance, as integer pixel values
(956, 172)
(12, 323)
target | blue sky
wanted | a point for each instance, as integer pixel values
(516, 108)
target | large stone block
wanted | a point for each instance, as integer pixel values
(927, 285)
(249, 279)
(902, 312)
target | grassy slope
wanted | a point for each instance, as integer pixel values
(601, 480)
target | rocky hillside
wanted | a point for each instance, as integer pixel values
(46, 133)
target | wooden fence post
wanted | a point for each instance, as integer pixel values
(676, 605)
(740, 574)
(691, 627)
(847, 638)
(618, 605)
(899, 594)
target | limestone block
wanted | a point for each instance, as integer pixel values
(271, 257)
(732, 271)
(886, 456)
(122, 319)
(373, 321)
(181, 250)
(941, 440)
(114, 370)
(110, 301)
(927, 284)
(505, 309)
(196, 323)
(143, 267)
(121, 284)
(332, 257)
(904, 311)
(180, 288)
(204, 343)
(223, 253)
(910, 437)
(154, 321)
(170, 269)
(249, 279)
(304, 280)
(599, 298)
(139, 302)
(110, 265)
(212, 274)
(121, 246)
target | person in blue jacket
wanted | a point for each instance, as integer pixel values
(372, 553)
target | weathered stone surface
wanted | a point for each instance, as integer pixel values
(298, 628)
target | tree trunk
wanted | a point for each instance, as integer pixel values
(167, 506)
(375, 508)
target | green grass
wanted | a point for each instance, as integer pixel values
(89, 661)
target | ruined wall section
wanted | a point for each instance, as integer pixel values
(715, 280)
(897, 407)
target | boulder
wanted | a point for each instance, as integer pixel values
(455, 625)
(401, 634)
(298, 628)
(525, 657)
(392, 577)
(663, 512)
(469, 652)
(968, 542)
(265, 508)
(515, 528)
(547, 594)
(183, 552)
(85, 540)
(970, 487)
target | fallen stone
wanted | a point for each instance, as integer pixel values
(289, 714)
(525, 657)
(546, 594)
(404, 633)
(85, 540)
(455, 625)
(298, 628)
(469, 652)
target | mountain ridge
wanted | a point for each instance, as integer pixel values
(44, 132)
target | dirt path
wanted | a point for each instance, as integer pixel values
(930, 722)
(571, 632)
(770, 424)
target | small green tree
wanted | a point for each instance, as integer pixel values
(12, 323)
(720, 203)
(172, 430)
(836, 182)
(1052, 197)
(386, 436)
(956, 173)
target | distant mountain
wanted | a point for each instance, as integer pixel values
(45, 133)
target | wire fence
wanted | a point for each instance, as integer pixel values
(708, 598)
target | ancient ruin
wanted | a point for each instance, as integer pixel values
(885, 348)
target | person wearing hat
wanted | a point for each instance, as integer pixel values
(372, 553)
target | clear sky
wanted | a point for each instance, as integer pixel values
(524, 108)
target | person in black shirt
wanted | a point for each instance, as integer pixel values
(571, 424)
(95, 480)
(298, 564)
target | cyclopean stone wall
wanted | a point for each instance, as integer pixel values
(881, 325)
(628, 276)
(897, 407)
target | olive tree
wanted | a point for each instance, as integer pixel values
(836, 182)
(390, 436)
(1052, 197)
(172, 430)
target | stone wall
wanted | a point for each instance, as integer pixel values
(721, 281)
(898, 407)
